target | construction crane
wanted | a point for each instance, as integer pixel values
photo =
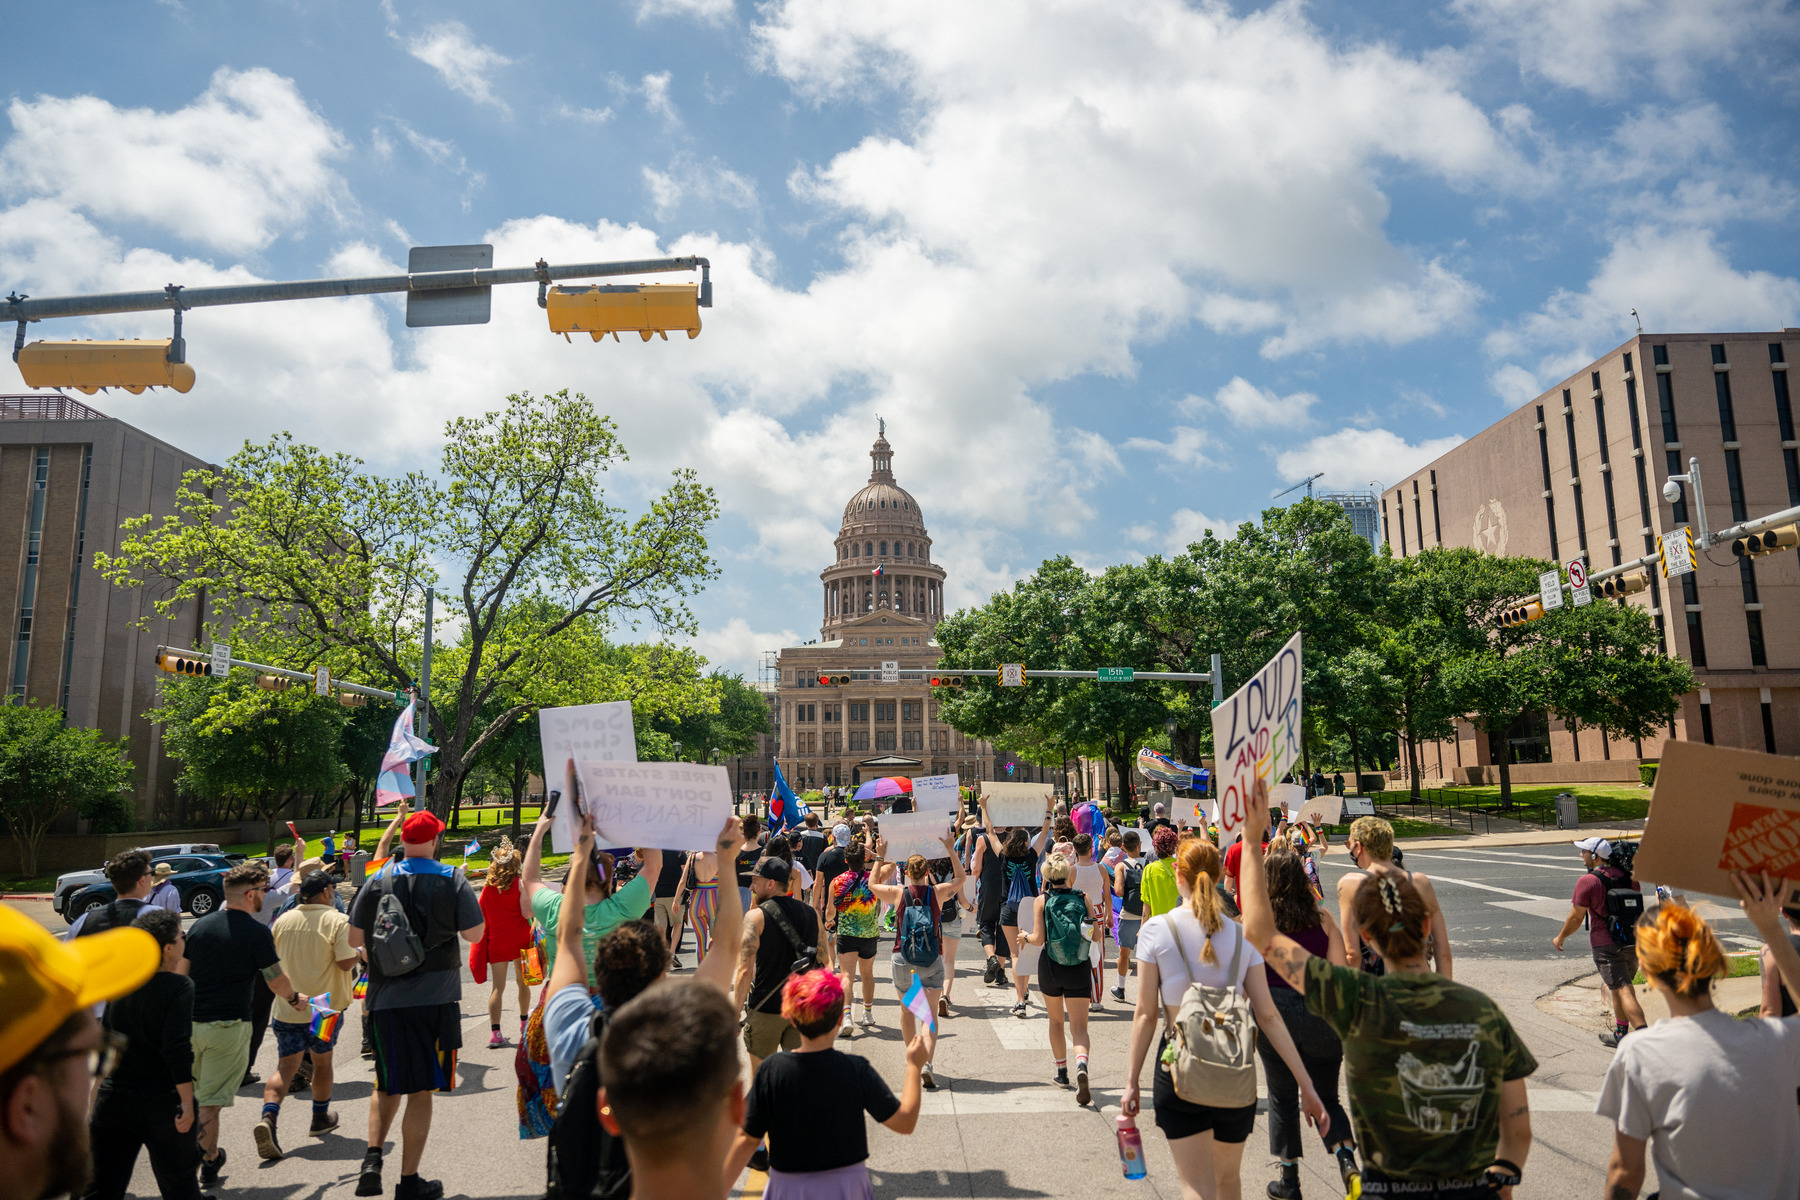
(1304, 483)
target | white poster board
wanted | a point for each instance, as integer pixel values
(588, 733)
(1016, 803)
(664, 805)
(1358, 806)
(913, 833)
(1320, 810)
(1257, 734)
(936, 793)
(1288, 797)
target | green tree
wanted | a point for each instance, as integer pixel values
(730, 723)
(49, 769)
(234, 738)
(321, 562)
(1607, 671)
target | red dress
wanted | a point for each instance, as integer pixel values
(507, 934)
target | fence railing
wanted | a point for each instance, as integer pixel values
(1451, 807)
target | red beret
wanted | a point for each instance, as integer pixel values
(420, 827)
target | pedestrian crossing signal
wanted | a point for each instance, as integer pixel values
(1620, 586)
(648, 309)
(1784, 537)
(1531, 610)
(947, 681)
(834, 680)
(177, 664)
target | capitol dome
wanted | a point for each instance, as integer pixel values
(883, 563)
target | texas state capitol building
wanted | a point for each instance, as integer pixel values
(883, 597)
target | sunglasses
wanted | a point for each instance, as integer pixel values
(102, 1059)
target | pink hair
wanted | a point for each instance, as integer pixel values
(812, 997)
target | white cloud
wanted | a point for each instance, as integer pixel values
(689, 179)
(441, 152)
(1185, 446)
(1352, 458)
(656, 96)
(735, 646)
(1602, 47)
(1515, 385)
(1185, 527)
(1250, 407)
(243, 163)
(465, 64)
(710, 12)
(585, 116)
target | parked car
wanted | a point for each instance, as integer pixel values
(197, 881)
(68, 883)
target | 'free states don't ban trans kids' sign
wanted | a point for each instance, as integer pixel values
(664, 805)
(1256, 733)
(583, 733)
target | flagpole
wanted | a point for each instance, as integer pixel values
(422, 725)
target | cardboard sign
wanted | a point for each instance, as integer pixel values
(1717, 810)
(664, 805)
(936, 793)
(584, 733)
(913, 833)
(1287, 797)
(1015, 803)
(1256, 733)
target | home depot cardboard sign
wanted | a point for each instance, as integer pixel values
(1256, 734)
(1717, 810)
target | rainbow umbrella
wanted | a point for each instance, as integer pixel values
(881, 789)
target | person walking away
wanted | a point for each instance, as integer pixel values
(1436, 1074)
(856, 919)
(1299, 917)
(989, 870)
(1157, 886)
(665, 896)
(919, 939)
(1021, 851)
(147, 1102)
(414, 1006)
(812, 843)
(228, 953)
(747, 857)
(313, 940)
(833, 861)
(700, 892)
(53, 1049)
(1609, 903)
(1195, 952)
(1371, 845)
(1709, 1097)
(782, 937)
(506, 934)
(950, 918)
(1128, 886)
(1094, 881)
(809, 1104)
(164, 894)
(132, 880)
(1063, 920)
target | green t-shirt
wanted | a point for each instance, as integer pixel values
(1424, 1058)
(1158, 888)
(627, 904)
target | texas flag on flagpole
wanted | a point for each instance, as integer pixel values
(405, 747)
(919, 1003)
(876, 572)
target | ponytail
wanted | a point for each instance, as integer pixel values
(1197, 863)
(1679, 948)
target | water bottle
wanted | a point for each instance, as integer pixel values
(1131, 1149)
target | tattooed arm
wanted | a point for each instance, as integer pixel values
(1515, 1128)
(740, 989)
(1625, 1173)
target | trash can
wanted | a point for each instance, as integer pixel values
(1568, 811)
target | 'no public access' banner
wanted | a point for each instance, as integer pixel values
(1256, 733)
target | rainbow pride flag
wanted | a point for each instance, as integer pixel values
(360, 989)
(325, 1022)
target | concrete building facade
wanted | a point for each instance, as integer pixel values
(882, 598)
(1579, 472)
(69, 476)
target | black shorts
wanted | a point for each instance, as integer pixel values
(1009, 915)
(1618, 964)
(1178, 1119)
(856, 947)
(415, 1048)
(1055, 979)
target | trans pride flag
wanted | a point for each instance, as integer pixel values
(918, 1003)
(395, 784)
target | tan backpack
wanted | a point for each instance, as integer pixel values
(1212, 1042)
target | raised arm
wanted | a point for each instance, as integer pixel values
(720, 965)
(531, 873)
(385, 846)
(987, 824)
(1761, 902)
(571, 956)
(1287, 956)
(953, 885)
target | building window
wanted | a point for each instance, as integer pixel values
(909, 550)
(1696, 640)
(884, 710)
(34, 540)
(1734, 483)
(1544, 465)
(1768, 717)
(1400, 510)
(1418, 517)
(869, 550)
(859, 741)
(884, 739)
(1665, 395)
(834, 712)
(912, 710)
(1678, 510)
(1722, 388)
(1437, 523)
(859, 712)
(1759, 654)
(1706, 729)
(1747, 577)
(806, 712)
(87, 464)
(912, 739)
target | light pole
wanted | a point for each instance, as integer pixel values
(677, 746)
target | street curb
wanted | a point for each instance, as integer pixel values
(1496, 840)
(27, 896)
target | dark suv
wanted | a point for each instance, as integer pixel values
(197, 879)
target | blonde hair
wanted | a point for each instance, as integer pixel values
(1375, 835)
(1197, 864)
(1679, 948)
(1058, 868)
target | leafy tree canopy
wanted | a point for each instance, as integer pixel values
(49, 769)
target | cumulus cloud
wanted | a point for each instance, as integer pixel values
(710, 12)
(1353, 458)
(688, 179)
(1185, 446)
(1250, 407)
(466, 65)
(656, 96)
(736, 646)
(1185, 526)
(245, 162)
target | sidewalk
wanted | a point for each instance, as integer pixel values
(1524, 835)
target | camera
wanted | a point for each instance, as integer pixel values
(1672, 492)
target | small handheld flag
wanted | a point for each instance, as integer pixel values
(919, 1003)
(360, 990)
(472, 848)
(325, 1022)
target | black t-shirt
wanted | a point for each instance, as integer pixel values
(990, 884)
(158, 1023)
(746, 860)
(226, 951)
(811, 1108)
(832, 863)
(901, 804)
(674, 863)
(812, 844)
(775, 954)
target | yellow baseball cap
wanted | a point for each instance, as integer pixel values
(43, 981)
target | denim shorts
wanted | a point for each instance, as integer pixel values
(295, 1037)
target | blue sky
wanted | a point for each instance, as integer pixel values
(1112, 273)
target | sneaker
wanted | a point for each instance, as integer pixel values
(210, 1168)
(1018, 1010)
(943, 1006)
(323, 1124)
(1613, 1037)
(845, 1027)
(925, 1079)
(1346, 1161)
(1061, 1078)
(759, 1159)
(495, 1040)
(1082, 1094)
(993, 969)
(1000, 979)
(419, 1189)
(267, 1148)
(1118, 993)
(868, 1017)
(368, 1182)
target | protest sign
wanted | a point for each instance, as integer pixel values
(1257, 733)
(1287, 797)
(913, 833)
(584, 733)
(665, 805)
(1016, 803)
(1717, 810)
(936, 793)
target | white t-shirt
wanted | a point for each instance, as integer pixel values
(1090, 881)
(1714, 1097)
(1156, 944)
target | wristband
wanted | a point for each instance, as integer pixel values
(1504, 1173)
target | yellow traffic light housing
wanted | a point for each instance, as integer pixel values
(1784, 537)
(947, 681)
(1531, 610)
(178, 664)
(274, 683)
(645, 309)
(134, 365)
(826, 680)
(1620, 586)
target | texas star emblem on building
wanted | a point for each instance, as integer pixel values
(882, 599)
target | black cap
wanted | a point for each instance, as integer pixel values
(315, 883)
(774, 869)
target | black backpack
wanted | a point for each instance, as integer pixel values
(584, 1161)
(1624, 904)
(115, 914)
(1132, 902)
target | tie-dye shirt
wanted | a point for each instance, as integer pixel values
(859, 915)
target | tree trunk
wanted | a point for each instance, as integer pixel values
(1355, 760)
(1412, 754)
(1497, 750)
(521, 775)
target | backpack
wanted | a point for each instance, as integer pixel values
(806, 958)
(1132, 902)
(1065, 912)
(115, 914)
(583, 1161)
(1624, 904)
(394, 945)
(918, 941)
(1211, 1053)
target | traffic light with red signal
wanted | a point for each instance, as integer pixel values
(947, 681)
(830, 680)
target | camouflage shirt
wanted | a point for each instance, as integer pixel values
(1425, 1058)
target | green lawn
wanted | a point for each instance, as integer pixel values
(1599, 801)
(1738, 966)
